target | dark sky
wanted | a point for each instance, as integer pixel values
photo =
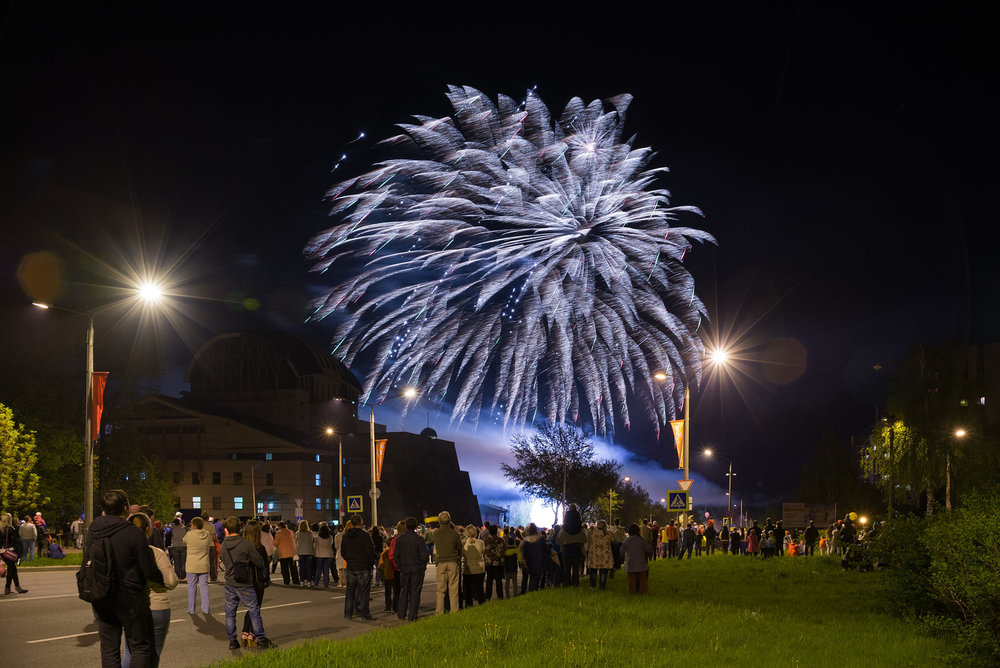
(844, 157)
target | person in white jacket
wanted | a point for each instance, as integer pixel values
(159, 600)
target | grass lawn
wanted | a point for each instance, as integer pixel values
(72, 559)
(703, 611)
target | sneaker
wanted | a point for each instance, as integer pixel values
(234, 643)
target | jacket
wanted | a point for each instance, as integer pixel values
(305, 543)
(324, 547)
(599, 550)
(158, 598)
(134, 562)
(284, 543)
(236, 548)
(447, 545)
(472, 556)
(533, 553)
(409, 552)
(358, 550)
(635, 554)
(199, 544)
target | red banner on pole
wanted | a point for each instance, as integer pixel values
(677, 426)
(380, 444)
(99, 380)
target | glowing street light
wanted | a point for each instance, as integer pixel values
(710, 453)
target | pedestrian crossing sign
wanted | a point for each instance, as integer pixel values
(677, 500)
(355, 504)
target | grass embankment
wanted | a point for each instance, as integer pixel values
(704, 611)
(72, 559)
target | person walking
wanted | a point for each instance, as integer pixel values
(636, 553)
(324, 555)
(359, 557)
(447, 553)
(10, 548)
(199, 541)
(473, 566)
(159, 598)
(28, 535)
(76, 532)
(305, 549)
(252, 533)
(409, 552)
(493, 558)
(284, 543)
(599, 559)
(128, 609)
(240, 558)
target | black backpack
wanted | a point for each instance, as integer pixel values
(97, 579)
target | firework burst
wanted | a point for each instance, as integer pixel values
(517, 263)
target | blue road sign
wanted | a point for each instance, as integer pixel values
(355, 504)
(677, 500)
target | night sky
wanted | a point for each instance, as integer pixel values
(844, 157)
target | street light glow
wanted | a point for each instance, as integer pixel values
(150, 292)
(40, 305)
(960, 433)
(708, 452)
(329, 431)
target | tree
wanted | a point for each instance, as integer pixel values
(833, 475)
(559, 456)
(19, 484)
(123, 466)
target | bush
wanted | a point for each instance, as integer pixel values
(943, 570)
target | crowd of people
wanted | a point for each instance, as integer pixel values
(473, 564)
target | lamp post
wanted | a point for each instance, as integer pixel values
(729, 494)
(959, 434)
(891, 421)
(340, 474)
(149, 292)
(409, 393)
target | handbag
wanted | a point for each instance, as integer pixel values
(8, 553)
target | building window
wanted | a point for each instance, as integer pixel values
(319, 480)
(216, 502)
(216, 478)
(237, 477)
(317, 457)
(328, 504)
(196, 502)
(238, 503)
(268, 456)
(336, 504)
(260, 507)
(270, 505)
(269, 479)
(195, 479)
(177, 477)
(319, 504)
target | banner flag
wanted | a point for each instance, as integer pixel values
(380, 444)
(678, 428)
(99, 380)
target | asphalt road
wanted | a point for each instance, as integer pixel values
(50, 626)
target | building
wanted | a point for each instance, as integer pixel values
(262, 431)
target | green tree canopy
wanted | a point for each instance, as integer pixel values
(19, 483)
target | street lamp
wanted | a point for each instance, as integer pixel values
(959, 434)
(149, 292)
(409, 393)
(729, 495)
(340, 474)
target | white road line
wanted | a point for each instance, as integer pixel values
(172, 621)
(10, 599)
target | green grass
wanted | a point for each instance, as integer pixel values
(717, 610)
(72, 559)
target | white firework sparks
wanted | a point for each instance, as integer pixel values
(516, 263)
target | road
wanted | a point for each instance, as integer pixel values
(51, 626)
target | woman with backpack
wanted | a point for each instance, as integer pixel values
(10, 549)
(261, 577)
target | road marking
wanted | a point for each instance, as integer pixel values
(75, 635)
(9, 599)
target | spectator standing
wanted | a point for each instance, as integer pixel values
(159, 598)
(534, 554)
(28, 535)
(511, 559)
(359, 557)
(636, 553)
(305, 548)
(324, 555)
(199, 541)
(493, 558)
(284, 543)
(252, 534)
(572, 539)
(811, 536)
(473, 566)
(236, 549)
(599, 559)
(447, 553)
(76, 531)
(128, 609)
(178, 550)
(409, 552)
(10, 541)
(673, 535)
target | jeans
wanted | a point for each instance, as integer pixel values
(494, 575)
(248, 597)
(197, 582)
(321, 567)
(161, 624)
(179, 554)
(129, 613)
(258, 589)
(410, 585)
(28, 549)
(599, 573)
(306, 564)
(447, 585)
(359, 584)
